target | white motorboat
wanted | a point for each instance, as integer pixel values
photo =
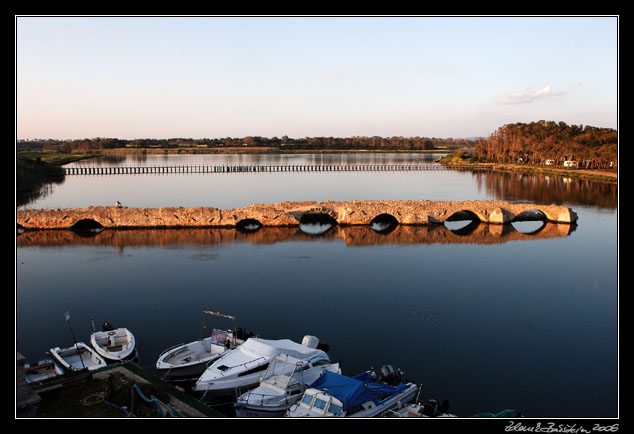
(240, 369)
(42, 370)
(281, 386)
(191, 359)
(335, 395)
(113, 344)
(79, 356)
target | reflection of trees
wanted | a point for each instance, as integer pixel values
(35, 180)
(547, 189)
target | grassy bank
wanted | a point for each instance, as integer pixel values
(35, 170)
(468, 161)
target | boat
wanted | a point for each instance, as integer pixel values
(112, 344)
(240, 369)
(42, 370)
(363, 395)
(79, 356)
(430, 408)
(282, 385)
(191, 359)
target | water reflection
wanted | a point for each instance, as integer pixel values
(473, 233)
(547, 189)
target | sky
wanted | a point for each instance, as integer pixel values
(212, 77)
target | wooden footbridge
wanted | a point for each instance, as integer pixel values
(139, 170)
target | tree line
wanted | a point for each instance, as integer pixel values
(538, 143)
(551, 143)
(282, 143)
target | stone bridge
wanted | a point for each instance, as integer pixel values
(356, 212)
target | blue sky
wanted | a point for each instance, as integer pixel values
(160, 77)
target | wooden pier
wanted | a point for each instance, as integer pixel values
(139, 170)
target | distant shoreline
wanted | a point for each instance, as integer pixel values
(263, 150)
(591, 175)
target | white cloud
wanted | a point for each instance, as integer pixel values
(524, 98)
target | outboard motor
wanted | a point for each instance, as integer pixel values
(430, 408)
(390, 376)
(324, 346)
(106, 327)
(242, 334)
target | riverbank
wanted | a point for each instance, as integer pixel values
(590, 175)
(466, 161)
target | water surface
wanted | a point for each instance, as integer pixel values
(487, 317)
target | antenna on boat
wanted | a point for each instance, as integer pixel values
(67, 317)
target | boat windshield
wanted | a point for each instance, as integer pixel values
(283, 372)
(307, 399)
(335, 409)
(320, 403)
(219, 337)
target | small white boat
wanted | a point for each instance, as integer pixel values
(114, 344)
(42, 370)
(335, 395)
(79, 356)
(240, 369)
(281, 386)
(191, 360)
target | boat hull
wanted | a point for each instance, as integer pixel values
(250, 412)
(114, 345)
(41, 371)
(77, 357)
(188, 360)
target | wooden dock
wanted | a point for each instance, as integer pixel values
(139, 170)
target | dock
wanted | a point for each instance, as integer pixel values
(197, 169)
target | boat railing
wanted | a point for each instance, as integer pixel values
(222, 371)
(257, 398)
(170, 349)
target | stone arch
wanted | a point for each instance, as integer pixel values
(316, 223)
(531, 215)
(87, 227)
(87, 224)
(248, 225)
(525, 221)
(455, 221)
(384, 223)
(318, 217)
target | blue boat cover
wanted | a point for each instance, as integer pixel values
(354, 390)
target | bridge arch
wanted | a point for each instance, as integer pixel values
(316, 223)
(531, 215)
(384, 223)
(87, 224)
(87, 227)
(530, 221)
(461, 219)
(248, 225)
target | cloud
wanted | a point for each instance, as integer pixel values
(524, 98)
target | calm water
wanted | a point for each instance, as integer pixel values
(523, 316)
